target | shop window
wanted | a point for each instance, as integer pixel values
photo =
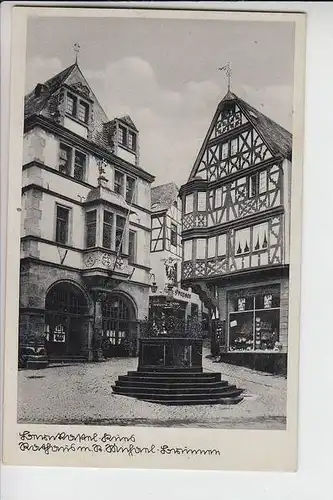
(91, 219)
(254, 322)
(62, 225)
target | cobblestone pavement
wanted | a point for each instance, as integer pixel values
(82, 394)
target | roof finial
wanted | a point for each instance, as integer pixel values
(76, 48)
(227, 69)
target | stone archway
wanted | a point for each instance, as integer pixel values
(66, 321)
(119, 325)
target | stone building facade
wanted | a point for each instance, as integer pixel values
(85, 232)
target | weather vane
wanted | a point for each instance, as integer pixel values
(76, 50)
(227, 69)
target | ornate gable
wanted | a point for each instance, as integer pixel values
(236, 140)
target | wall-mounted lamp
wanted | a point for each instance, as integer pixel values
(153, 285)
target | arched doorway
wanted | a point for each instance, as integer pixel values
(66, 314)
(119, 326)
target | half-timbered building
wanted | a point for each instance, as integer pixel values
(166, 255)
(85, 226)
(235, 230)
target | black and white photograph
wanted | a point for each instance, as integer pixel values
(157, 222)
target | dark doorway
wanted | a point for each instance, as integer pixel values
(119, 325)
(66, 312)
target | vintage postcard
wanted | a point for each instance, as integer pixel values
(154, 229)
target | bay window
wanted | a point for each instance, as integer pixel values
(120, 227)
(107, 228)
(188, 250)
(189, 204)
(201, 248)
(91, 224)
(131, 247)
(202, 202)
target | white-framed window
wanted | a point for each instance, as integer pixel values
(201, 248)
(221, 245)
(189, 204)
(211, 251)
(202, 201)
(188, 244)
(233, 146)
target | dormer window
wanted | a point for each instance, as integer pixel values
(122, 135)
(77, 108)
(132, 141)
(127, 138)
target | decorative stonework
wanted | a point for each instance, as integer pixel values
(107, 260)
(89, 260)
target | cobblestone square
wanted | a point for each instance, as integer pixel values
(82, 394)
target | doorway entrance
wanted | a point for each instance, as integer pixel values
(119, 326)
(66, 313)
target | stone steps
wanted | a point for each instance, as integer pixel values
(177, 387)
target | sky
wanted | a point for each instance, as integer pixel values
(164, 74)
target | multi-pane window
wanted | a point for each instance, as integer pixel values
(119, 182)
(79, 165)
(83, 112)
(72, 162)
(91, 220)
(189, 204)
(131, 247)
(62, 224)
(77, 108)
(65, 159)
(120, 229)
(132, 140)
(211, 247)
(225, 150)
(107, 228)
(173, 234)
(254, 320)
(122, 135)
(71, 104)
(130, 185)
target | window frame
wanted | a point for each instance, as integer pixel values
(77, 102)
(95, 223)
(73, 151)
(173, 234)
(134, 254)
(68, 229)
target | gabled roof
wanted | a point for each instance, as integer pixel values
(128, 120)
(163, 196)
(34, 105)
(277, 139)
